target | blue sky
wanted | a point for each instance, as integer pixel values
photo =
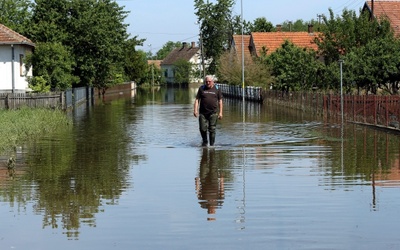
(160, 21)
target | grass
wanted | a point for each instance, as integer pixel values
(25, 124)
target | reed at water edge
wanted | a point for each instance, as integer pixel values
(18, 126)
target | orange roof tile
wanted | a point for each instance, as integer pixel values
(8, 36)
(389, 9)
(274, 40)
(237, 45)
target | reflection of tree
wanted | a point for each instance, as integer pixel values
(210, 183)
(73, 174)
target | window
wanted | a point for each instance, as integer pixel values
(21, 65)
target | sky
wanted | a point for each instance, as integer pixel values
(160, 21)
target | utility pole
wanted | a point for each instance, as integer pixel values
(152, 67)
(202, 56)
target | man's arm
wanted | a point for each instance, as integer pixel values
(196, 108)
(221, 106)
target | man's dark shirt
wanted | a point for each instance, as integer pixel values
(208, 99)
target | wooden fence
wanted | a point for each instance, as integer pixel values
(379, 111)
(62, 100)
(33, 100)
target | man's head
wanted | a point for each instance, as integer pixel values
(209, 81)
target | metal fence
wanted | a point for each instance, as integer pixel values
(234, 91)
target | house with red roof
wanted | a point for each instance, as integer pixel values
(258, 42)
(237, 41)
(13, 49)
(389, 9)
(187, 53)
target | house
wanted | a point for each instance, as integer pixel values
(13, 48)
(271, 41)
(190, 54)
(237, 45)
(389, 9)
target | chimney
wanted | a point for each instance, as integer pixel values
(310, 29)
(193, 44)
(184, 45)
(278, 28)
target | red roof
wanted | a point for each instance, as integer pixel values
(389, 9)
(274, 40)
(8, 36)
(237, 43)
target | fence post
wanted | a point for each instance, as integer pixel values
(7, 102)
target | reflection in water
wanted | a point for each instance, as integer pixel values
(210, 183)
(279, 176)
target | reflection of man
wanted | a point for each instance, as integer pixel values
(209, 184)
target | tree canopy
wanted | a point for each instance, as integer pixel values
(215, 27)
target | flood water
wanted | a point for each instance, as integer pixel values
(132, 175)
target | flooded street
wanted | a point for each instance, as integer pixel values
(133, 175)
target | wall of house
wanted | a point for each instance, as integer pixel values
(6, 68)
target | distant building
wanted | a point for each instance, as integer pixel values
(13, 49)
(190, 54)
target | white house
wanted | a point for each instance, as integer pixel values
(13, 48)
(190, 54)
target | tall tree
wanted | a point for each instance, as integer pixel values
(293, 67)
(237, 26)
(216, 28)
(15, 14)
(54, 64)
(93, 31)
(96, 36)
(166, 49)
(49, 21)
(261, 24)
(135, 62)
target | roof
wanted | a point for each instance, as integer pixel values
(8, 36)
(156, 63)
(237, 43)
(273, 40)
(389, 9)
(184, 52)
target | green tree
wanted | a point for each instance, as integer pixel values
(256, 72)
(375, 66)
(15, 14)
(135, 62)
(96, 36)
(237, 26)
(166, 49)
(261, 24)
(299, 25)
(54, 64)
(216, 28)
(345, 37)
(93, 31)
(343, 33)
(49, 21)
(293, 67)
(183, 71)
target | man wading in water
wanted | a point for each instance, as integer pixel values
(209, 98)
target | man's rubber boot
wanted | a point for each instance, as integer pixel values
(212, 139)
(204, 136)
